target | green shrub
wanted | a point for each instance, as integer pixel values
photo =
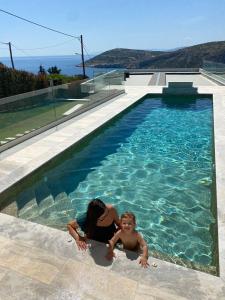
(61, 79)
(13, 82)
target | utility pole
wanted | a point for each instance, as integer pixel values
(10, 50)
(82, 55)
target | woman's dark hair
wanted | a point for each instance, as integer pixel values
(96, 208)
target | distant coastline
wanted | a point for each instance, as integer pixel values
(196, 56)
(67, 63)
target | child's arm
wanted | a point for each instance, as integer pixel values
(112, 243)
(73, 230)
(144, 258)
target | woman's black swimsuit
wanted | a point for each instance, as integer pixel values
(104, 234)
(101, 233)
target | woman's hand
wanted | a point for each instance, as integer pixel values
(144, 262)
(81, 244)
(74, 229)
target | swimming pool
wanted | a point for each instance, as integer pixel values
(157, 160)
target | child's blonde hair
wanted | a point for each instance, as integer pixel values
(129, 215)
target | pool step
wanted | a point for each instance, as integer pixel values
(44, 196)
(47, 203)
(58, 222)
(158, 78)
(62, 207)
(57, 215)
(154, 79)
(33, 201)
(24, 198)
(30, 210)
(11, 208)
(56, 189)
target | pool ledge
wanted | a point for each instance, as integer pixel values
(175, 282)
(47, 262)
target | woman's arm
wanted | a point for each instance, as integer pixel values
(115, 216)
(80, 241)
(144, 247)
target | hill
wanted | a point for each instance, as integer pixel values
(121, 58)
(188, 57)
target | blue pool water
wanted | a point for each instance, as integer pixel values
(156, 160)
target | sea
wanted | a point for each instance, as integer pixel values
(67, 63)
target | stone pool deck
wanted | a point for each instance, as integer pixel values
(37, 262)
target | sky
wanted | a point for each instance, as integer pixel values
(104, 24)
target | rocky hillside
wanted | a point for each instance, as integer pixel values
(121, 58)
(189, 57)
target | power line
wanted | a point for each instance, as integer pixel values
(52, 46)
(48, 28)
(80, 38)
(86, 51)
(27, 54)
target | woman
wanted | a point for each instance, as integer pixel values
(100, 224)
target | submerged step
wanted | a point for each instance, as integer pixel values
(44, 196)
(56, 188)
(30, 210)
(27, 204)
(11, 209)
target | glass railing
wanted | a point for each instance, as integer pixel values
(24, 115)
(104, 85)
(214, 69)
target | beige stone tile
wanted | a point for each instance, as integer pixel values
(15, 159)
(91, 280)
(85, 296)
(18, 287)
(46, 257)
(12, 246)
(71, 277)
(11, 260)
(3, 241)
(142, 296)
(3, 272)
(38, 270)
(145, 292)
(2, 173)
(7, 297)
(34, 263)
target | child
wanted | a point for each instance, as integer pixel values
(131, 239)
